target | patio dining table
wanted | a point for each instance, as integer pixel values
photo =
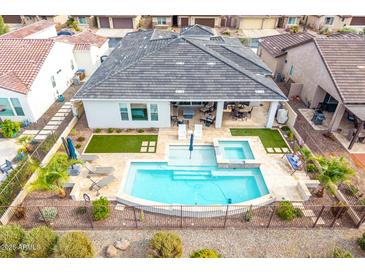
(188, 114)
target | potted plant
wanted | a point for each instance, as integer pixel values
(53, 176)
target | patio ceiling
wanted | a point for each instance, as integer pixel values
(357, 110)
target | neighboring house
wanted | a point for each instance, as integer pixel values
(252, 22)
(117, 22)
(85, 21)
(13, 21)
(39, 30)
(273, 49)
(358, 23)
(137, 86)
(161, 21)
(88, 49)
(33, 72)
(212, 21)
(330, 22)
(288, 21)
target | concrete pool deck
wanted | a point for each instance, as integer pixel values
(275, 170)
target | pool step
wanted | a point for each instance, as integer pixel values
(192, 172)
(191, 177)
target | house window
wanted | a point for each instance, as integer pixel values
(53, 81)
(72, 65)
(139, 112)
(17, 106)
(154, 112)
(292, 20)
(291, 71)
(82, 21)
(123, 108)
(161, 20)
(329, 20)
(5, 107)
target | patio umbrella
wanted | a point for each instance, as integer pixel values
(191, 147)
(65, 146)
(71, 148)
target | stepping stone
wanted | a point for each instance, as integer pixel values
(298, 205)
(40, 137)
(64, 110)
(270, 149)
(277, 149)
(320, 220)
(45, 132)
(54, 123)
(152, 143)
(308, 213)
(60, 114)
(30, 132)
(143, 149)
(145, 143)
(58, 119)
(120, 207)
(67, 103)
(50, 127)
(285, 149)
(151, 149)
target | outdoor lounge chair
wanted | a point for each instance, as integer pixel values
(182, 132)
(294, 162)
(5, 168)
(88, 157)
(101, 183)
(99, 170)
(198, 131)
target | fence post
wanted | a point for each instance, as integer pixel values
(89, 215)
(135, 217)
(362, 219)
(337, 216)
(319, 216)
(44, 219)
(225, 217)
(271, 216)
(181, 216)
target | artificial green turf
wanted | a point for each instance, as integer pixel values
(269, 137)
(118, 143)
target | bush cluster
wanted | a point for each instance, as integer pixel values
(100, 209)
(165, 245)
(361, 242)
(74, 245)
(11, 237)
(39, 242)
(341, 253)
(205, 253)
(287, 211)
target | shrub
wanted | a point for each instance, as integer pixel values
(80, 139)
(100, 209)
(347, 30)
(110, 130)
(341, 253)
(48, 143)
(9, 128)
(227, 32)
(286, 211)
(248, 215)
(48, 214)
(165, 245)
(205, 253)
(353, 190)
(140, 130)
(361, 242)
(78, 146)
(98, 130)
(74, 245)
(311, 168)
(39, 242)
(81, 210)
(118, 130)
(10, 238)
(294, 29)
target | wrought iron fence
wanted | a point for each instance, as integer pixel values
(79, 216)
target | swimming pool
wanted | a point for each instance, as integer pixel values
(195, 181)
(236, 150)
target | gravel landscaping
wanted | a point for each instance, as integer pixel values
(240, 243)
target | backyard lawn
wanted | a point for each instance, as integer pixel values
(122, 144)
(270, 138)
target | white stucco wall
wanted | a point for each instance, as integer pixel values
(318, 22)
(106, 114)
(44, 34)
(310, 71)
(90, 59)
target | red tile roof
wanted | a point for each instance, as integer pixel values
(277, 44)
(21, 60)
(83, 40)
(24, 32)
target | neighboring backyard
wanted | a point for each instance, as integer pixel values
(122, 144)
(270, 138)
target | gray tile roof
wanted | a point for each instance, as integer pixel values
(196, 30)
(276, 45)
(345, 61)
(180, 68)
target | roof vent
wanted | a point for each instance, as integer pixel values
(179, 91)
(180, 63)
(211, 63)
(259, 91)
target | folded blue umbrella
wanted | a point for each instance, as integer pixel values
(71, 148)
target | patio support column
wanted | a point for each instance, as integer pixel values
(219, 114)
(354, 139)
(337, 117)
(271, 114)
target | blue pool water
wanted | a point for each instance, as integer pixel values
(198, 181)
(236, 150)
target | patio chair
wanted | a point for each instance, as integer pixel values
(6, 167)
(198, 131)
(209, 107)
(174, 120)
(182, 132)
(97, 185)
(294, 162)
(98, 170)
(88, 157)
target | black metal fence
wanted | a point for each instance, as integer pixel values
(79, 216)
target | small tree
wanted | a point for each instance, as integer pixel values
(3, 28)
